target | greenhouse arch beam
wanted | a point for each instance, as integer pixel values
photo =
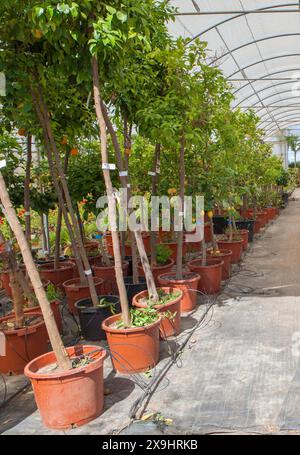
(263, 89)
(257, 62)
(264, 78)
(285, 121)
(294, 109)
(250, 43)
(244, 13)
(283, 118)
(272, 131)
(274, 94)
(259, 108)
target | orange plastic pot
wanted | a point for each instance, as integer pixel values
(109, 244)
(262, 218)
(133, 349)
(157, 269)
(211, 274)
(70, 398)
(236, 246)
(257, 226)
(93, 260)
(55, 310)
(207, 232)
(188, 285)
(225, 256)
(5, 283)
(244, 233)
(173, 246)
(58, 276)
(168, 326)
(107, 273)
(76, 291)
(23, 345)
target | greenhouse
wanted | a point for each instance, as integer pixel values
(149, 220)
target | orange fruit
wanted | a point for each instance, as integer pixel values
(22, 132)
(37, 33)
(210, 214)
(74, 152)
(64, 140)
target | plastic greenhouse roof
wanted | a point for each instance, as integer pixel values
(257, 46)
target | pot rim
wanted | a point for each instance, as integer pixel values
(64, 265)
(230, 241)
(109, 267)
(23, 330)
(160, 307)
(171, 262)
(123, 331)
(69, 373)
(219, 263)
(98, 296)
(69, 283)
(225, 252)
(183, 281)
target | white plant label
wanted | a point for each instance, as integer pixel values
(108, 167)
(2, 163)
(123, 174)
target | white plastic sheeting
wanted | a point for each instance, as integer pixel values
(259, 52)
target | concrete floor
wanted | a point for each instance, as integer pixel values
(239, 371)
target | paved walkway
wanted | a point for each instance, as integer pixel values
(239, 371)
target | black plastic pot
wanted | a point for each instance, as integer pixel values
(91, 318)
(133, 289)
(220, 224)
(129, 260)
(246, 224)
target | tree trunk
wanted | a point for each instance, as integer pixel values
(181, 195)
(155, 169)
(17, 299)
(27, 190)
(213, 237)
(111, 199)
(59, 220)
(46, 125)
(56, 342)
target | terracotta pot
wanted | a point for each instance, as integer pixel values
(107, 273)
(93, 260)
(262, 218)
(157, 269)
(211, 274)
(91, 245)
(57, 276)
(188, 285)
(225, 256)
(236, 246)
(23, 345)
(244, 233)
(135, 349)
(257, 226)
(55, 304)
(5, 283)
(168, 327)
(207, 232)
(109, 245)
(70, 398)
(173, 247)
(76, 291)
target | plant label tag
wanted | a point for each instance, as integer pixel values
(88, 272)
(2, 163)
(128, 185)
(108, 167)
(153, 174)
(2, 344)
(123, 173)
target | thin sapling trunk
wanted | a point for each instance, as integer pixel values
(179, 273)
(27, 190)
(155, 170)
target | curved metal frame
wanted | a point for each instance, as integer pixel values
(270, 96)
(266, 38)
(265, 8)
(262, 78)
(285, 117)
(270, 105)
(295, 109)
(271, 131)
(262, 90)
(263, 61)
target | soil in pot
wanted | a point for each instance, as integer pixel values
(157, 269)
(58, 276)
(168, 307)
(70, 398)
(225, 256)
(91, 317)
(188, 285)
(211, 274)
(235, 245)
(107, 273)
(134, 349)
(133, 289)
(76, 291)
(24, 344)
